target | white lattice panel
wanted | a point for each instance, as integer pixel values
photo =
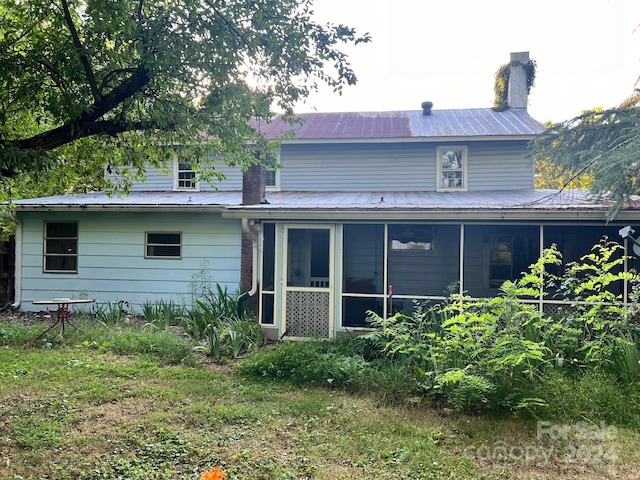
(307, 314)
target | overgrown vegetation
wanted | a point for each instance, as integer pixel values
(499, 354)
(123, 397)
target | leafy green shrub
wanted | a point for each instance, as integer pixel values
(488, 353)
(463, 389)
(327, 363)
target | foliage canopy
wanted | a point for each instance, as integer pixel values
(89, 84)
(601, 145)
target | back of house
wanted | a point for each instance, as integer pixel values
(360, 211)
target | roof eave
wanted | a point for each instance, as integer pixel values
(130, 208)
(566, 214)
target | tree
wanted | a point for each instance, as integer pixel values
(89, 84)
(603, 145)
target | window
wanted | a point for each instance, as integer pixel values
(272, 177)
(452, 168)
(500, 260)
(163, 245)
(184, 176)
(61, 247)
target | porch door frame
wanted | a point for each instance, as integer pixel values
(329, 289)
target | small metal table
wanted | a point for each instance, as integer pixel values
(62, 313)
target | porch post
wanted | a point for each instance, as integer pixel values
(461, 267)
(541, 302)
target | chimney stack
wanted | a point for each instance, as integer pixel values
(253, 185)
(517, 95)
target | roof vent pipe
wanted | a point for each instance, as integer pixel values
(426, 108)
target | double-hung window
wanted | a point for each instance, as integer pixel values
(163, 245)
(184, 176)
(60, 247)
(451, 168)
(272, 173)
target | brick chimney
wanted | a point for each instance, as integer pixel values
(517, 96)
(253, 185)
(253, 193)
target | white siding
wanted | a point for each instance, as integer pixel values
(358, 167)
(400, 167)
(500, 166)
(361, 167)
(111, 263)
(161, 181)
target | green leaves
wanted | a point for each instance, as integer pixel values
(602, 145)
(122, 80)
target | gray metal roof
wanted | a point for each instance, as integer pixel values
(471, 122)
(181, 200)
(563, 205)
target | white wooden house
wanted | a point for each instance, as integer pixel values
(369, 211)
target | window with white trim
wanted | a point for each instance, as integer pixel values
(451, 168)
(184, 176)
(272, 177)
(163, 245)
(60, 247)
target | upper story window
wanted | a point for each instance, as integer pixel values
(60, 247)
(451, 168)
(184, 176)
(272, 177)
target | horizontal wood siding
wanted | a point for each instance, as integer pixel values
(111, 263)
(492, 165)
(400, 166)
(162, 180)
(499, 166)
(358, 167)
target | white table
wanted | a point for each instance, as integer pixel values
(62, 312)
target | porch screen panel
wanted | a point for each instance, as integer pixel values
(574, 242)
(268, 257)
(268, 274)
(495, 253)
(423, 260)
(308, 258)
(363, 275)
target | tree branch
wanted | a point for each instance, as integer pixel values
(84, 125)
(81, 52)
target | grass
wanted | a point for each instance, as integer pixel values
(123, 403)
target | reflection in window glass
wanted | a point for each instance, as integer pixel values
(451, 168)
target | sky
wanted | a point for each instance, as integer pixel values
(447, 51)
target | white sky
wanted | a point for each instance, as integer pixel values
(447, 51)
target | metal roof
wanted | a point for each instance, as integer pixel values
(471, 122)
(143, 200)
(552, 204)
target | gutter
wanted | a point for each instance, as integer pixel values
(251, 229)
(17, 273)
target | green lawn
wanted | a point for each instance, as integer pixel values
(83, 412)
